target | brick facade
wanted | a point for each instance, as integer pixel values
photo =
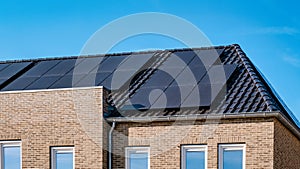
(287, 148)
(166, 138)
(73, 117)
(41, 119)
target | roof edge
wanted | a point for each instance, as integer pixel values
(251, 71)
(259, 79)
(275, 114)
(113, 54)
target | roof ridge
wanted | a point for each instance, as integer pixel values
(257, 81)
(112, 54)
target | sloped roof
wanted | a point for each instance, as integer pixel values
(132, 78)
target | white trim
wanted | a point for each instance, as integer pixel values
(129, 150)
(49, 90)
(57, 150)
(4, 144)
(229, 147)
(185, 148)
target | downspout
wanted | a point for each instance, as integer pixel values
(110, 145)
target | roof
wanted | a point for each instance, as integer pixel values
(218, 79)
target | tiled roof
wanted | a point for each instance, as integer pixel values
(246, 89)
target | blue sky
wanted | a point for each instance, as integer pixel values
(267, 30)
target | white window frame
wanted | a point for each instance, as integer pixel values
(229, 147)
(57, 150)
(185, 148)
(129, 150)
(10, 144)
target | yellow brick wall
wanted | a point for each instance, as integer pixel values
(165, 139)
(73, 117)
(287, 148)
(41, 119)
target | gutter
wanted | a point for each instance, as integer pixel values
(110, 145)
(287, 123)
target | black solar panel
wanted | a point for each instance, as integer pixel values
(172, 97)
(3, 66)
(190, 76)
(135, 62)
(179, 59)
(13, 69)
(10, 71)
(185, 56)
(142, 97)
(20, 83)
(210, 86)
(62, 68)
(120, 77)
(206, 57)
(40, 68)
(218, 74)
(67, 81)
(43, 83)
(111, 63)
(160, 79)
(87, 65)
(125, 69)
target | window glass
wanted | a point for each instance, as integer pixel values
(137, 158)
(193, 156)
(233, 159)
(64, 161)
(231, 156)
(195, 160)
(138, 161)
(11, 156)
(62, 157)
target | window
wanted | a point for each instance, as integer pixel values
(137, 158)
(194, 157)
(62, 158)
(10, 154)
(232, 156)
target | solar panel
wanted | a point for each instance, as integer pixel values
(218, 74)
(135, 62)
(159, 79)
(120, 77)
(190, 76)
(179, 59)
(125, 70)
(172, 97)
(210, 86)
(40, 68)
(111, 63)
(87, 65)
(206, 57)
(13, 69)
(20, 83)
(3, 66)
(43, 83)
(62, 67)
(91, 79)
(200, 96)
(67, 81)
(141, 97)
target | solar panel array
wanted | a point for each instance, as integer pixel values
(185, 79)
(81, 72)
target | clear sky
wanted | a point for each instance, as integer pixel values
(267, 30)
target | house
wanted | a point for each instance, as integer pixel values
(182, 108)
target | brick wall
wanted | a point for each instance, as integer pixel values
(165, 139)
(287, 148)
(73, 117)
(41, 119)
